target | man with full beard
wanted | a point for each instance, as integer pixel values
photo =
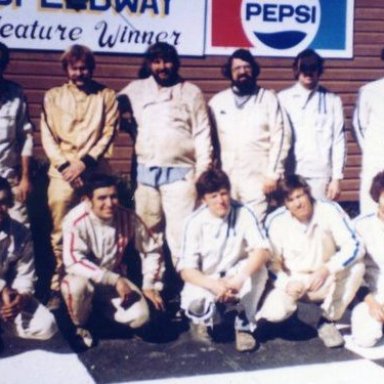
(173, 143)
(253, 144)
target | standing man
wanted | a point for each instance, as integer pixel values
(315, 116)
(315, 257)
(97, 233)
(173, 144)
(223, 261)
(20, 312)
(252, 139)
(78, 125)
(16, 141)
(368, 121)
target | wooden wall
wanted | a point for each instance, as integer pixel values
(39, 71)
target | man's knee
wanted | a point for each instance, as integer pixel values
(39, 324)
(278, 306)
(48, 327)
(75, 287)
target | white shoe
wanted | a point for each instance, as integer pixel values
(245, 342)
(330, 335)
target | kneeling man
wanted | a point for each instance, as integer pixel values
(223, 261)
(20, 312)
(96, 235)
(368, 316)
(316, 257)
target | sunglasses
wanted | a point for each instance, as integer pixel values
(308, 68)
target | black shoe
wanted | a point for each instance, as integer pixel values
(55, 300)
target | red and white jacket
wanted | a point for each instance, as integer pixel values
(95, 248)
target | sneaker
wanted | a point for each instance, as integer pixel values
(200, 332)
(83, 338)
(330, 335)
(245, 341)
(54, 301)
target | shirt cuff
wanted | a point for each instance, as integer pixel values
(150, 284)
(273, 175)
(3, 284)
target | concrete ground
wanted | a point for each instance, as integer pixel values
(289, 353)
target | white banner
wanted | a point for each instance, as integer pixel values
(115, 26)
(281, 28)
(194, 27)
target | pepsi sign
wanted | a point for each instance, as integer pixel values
(281, 27)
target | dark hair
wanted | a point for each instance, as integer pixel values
(287, 185)
(96, 181)
(6, 187)
(78, 52)
(242, 54)
(159, 50)
(308, 56)
(4, 56)
(377, 186)
(212, 181)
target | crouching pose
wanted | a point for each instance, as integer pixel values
(223, 261)
(316, 257)
(20, 312)
(96, 235)
(368, 316)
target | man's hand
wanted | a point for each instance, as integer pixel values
(376, 310)
(73, 171)
(235, 283)
(123, 288)
(77, 183)
(269, 185)
(23, 189)
(318, 278)
(154, 297)
(333, 189)
(296, 289)
(12, 303)
(220, 290)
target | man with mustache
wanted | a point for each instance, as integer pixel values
(78, 124)
(315, 116)
(173, 143)
(252, 141)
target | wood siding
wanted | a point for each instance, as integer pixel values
(39, 71)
